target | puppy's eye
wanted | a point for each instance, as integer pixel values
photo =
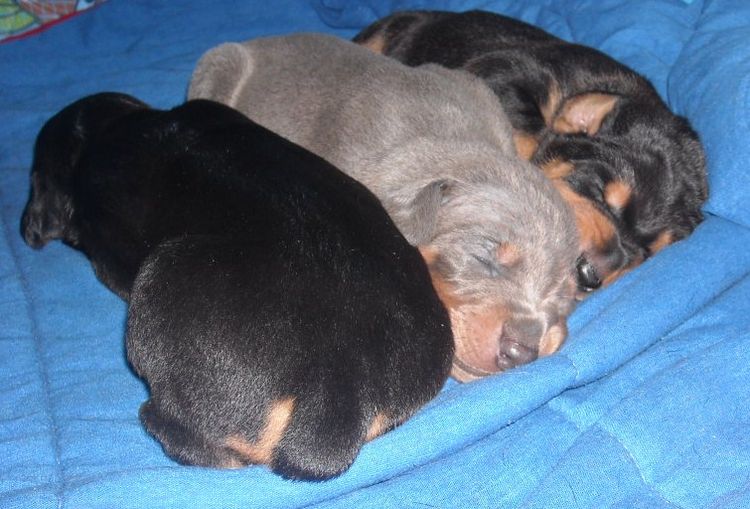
(487, 266)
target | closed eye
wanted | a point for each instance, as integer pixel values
(490, 268)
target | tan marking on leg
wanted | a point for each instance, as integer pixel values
(664, 239)
(550, 107)
(378, 426)
(261, 451)
(617, 194)
(232, 464)
(557, 169)
(376, 43)
(526, 145)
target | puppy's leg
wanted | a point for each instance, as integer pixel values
(183, 445)
(323, 438)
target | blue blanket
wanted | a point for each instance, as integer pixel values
(646, 406)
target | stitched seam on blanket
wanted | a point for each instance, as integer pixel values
(553, 468)
(41, 363)
(652, 487)
(525, 502)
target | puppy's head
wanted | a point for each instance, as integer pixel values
(598, 186)
(56, 154)
(630, 200)
(501, 246)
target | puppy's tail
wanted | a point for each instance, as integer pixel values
(221, 74)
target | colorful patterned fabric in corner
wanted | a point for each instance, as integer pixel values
(25, 17)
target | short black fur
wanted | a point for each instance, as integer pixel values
(275, 311)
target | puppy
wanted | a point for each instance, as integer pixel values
(633, 172)
(435, 147)
(276, 312)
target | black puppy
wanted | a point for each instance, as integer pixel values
(633, 171)
(276, 312)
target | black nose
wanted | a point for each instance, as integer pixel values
(588, 279)
(514, 353)
(35, 229)
(30, 230)
(519, 343)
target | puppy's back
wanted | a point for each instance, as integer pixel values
(345, 102)
(288, 321)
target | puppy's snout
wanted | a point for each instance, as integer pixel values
(519, 343)
(31, 229)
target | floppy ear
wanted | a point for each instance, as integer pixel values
(419, 220)
(221, 72)
(584, 113)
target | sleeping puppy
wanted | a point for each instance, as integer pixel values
(633, 172)
(435, 147)
(276, 312)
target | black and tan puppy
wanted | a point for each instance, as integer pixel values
(276, 312)
(633, 171)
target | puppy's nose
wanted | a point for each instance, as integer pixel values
(519, 343)
(31, 230)
(588, 278)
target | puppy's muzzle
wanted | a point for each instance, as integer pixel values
(38, 226)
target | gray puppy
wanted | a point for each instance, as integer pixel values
(436, 147)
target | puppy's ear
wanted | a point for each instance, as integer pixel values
(421, 218)
(221, 73)
(584, 113)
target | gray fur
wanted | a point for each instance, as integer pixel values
(436, 147)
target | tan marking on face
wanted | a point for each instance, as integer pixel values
(376, 43)
(261, 451)
(526, 145)
(378, 426)
(476, 326)
(584, 113)
(429, 253)
(508, 254)
(617, 194)
(476, 332)
(622, 271)
(664, 239)
(557, 169)
(550, 107)
(594, 228)
(553, 338)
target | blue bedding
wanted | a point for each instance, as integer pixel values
(647, 405)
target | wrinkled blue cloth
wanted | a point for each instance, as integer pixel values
(646, 406)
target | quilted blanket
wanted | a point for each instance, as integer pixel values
(646, 406)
